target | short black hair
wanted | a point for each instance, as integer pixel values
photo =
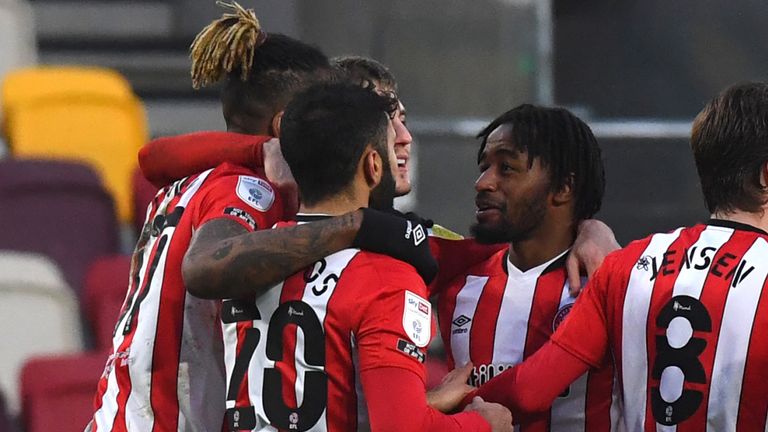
(281, 67)
(729, 140)
(325, 130)
(564, 145)
(362, 69)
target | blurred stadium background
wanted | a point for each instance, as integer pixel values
(636, 71)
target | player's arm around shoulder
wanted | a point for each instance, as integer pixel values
(232, 203)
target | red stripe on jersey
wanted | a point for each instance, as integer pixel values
(339, 363)
(753, 406)
(546, 301)
(483, 332)
(663, 287)
(446, 307)
(714, 294)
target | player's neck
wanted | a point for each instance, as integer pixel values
(547, 242)
(757, 220)
(336, 205)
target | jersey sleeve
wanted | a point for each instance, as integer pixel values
(584, 334)
(396, 326)
(167, 159)
(248, 200)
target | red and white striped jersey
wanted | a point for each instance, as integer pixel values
(685, 316)
(166, 369)
(496, 316)
(294, 355)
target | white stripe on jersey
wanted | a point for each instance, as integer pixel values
(336, 264)
(634, 325)
(515, 310)
(690, 282)
(733, 343)
(568, 413)
(466, 303)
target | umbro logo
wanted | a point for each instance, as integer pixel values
(461, 321)
(418, 233)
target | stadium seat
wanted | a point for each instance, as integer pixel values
(106, 285)
(85, 114)
(57, 392)
(38, 315)
(143, 193)
(58, 209)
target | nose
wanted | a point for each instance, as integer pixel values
(486, 181)
(402, 134)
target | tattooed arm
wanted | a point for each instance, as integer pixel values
(224, 260)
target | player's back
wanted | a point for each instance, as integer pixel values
(165, 372)
(295, 354)
(688, 317)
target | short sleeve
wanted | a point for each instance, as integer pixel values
(396, 326)
(584, 333)
(245, 199)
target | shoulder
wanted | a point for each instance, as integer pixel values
(252, 188)
(388, 272)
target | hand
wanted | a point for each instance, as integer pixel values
(497, 415)
(279, 174)
(451, 390)
(392, 235)
(594, 241)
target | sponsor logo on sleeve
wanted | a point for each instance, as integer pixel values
(411, 350)
(417, 319)
(242, 215)
(256, 192)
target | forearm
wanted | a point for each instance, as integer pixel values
(396, 402)
(532, 386)
(250, 263)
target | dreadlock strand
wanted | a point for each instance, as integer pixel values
(225, 44)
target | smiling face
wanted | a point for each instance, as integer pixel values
(403, 140)
(512, 197)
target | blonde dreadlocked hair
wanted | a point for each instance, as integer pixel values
(226, 45)
(260, 74)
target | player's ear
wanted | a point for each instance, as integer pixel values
(277, 119)
(564, 194)
(373, 167)
(764, 175)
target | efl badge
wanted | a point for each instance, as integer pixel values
(256, 192)
(417, 319)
